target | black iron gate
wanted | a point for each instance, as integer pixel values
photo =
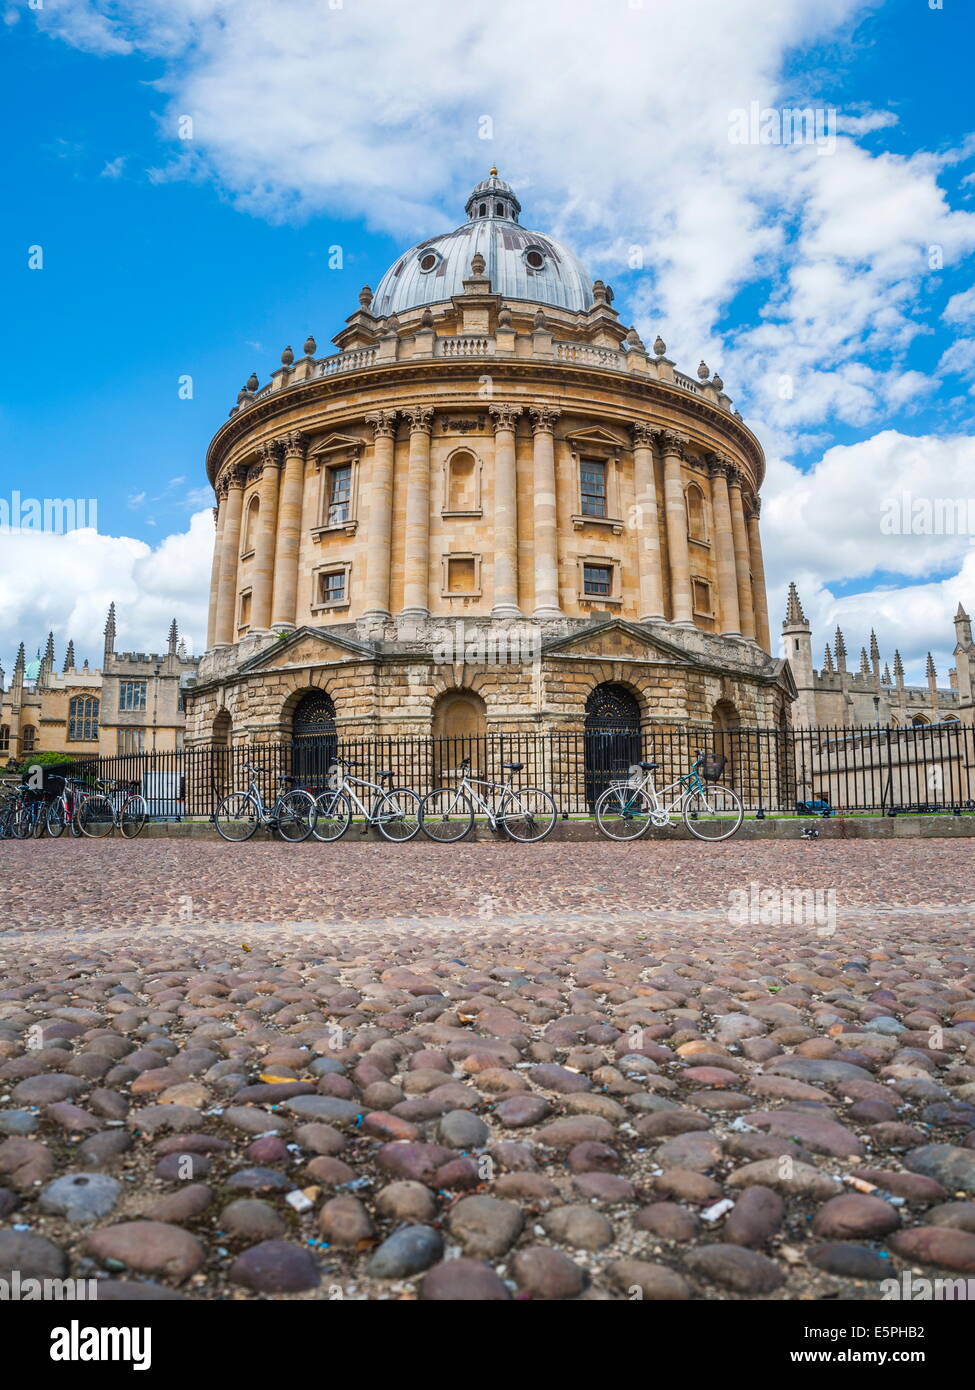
(612, 737)
(314, 742)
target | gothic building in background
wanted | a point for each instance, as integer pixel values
(132, 704)
(491, 509)
(872, 690)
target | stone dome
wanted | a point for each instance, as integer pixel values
(520, 264)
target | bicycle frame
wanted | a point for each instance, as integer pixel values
(347, 783)
(466, 788)
(688, 782)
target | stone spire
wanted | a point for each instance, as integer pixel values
(874, 653)
(69, 658)
(963, 628)
(864, 662)
(793, 606)
(827, 661)
(110, 632)
(173, 637)
(47, 663)
(898, 670)
(19, 667)
(886, 676)
(839, 645)
(932, 675)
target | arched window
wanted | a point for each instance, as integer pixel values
(221, 730)
(482, 210)
(726, 720)
(697, 521)
(499, 209)
(251, 521)
(919, 721)
(83, 719)
(461, 486)
(28, 738)
(459, 724)
(4, 739)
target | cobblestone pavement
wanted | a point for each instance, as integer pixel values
(488, 1071)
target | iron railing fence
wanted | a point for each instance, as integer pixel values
(776, 771)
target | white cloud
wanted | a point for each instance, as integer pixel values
(64, 584)
(113, 168)
(832, 525)
(302, 107)
(960, 307)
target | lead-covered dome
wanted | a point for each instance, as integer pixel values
(519, 263)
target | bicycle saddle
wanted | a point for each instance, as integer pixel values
(648, 767)
(384, 774)
(513, 767)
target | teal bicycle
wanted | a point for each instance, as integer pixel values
(626, 810)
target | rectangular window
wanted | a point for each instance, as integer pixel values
(131, 740)
(597, 580)
(333, 587)
(245, 609)
(592, 474)
(461, 576)
(702, 597)
(132, 695)
(339, 495)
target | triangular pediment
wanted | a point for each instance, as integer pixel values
(308, 646)
(335, 443)
(595, 436)
(616, 640)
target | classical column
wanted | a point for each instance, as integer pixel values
(416, 568)
(746, 610)
(267, 525)
(229, 548)
(649, 566)
(759, 597)
(219, 517)
(545, 515)
(380, 528)
(287, 540)
(724, 543)
(675, 512)
(505, 419)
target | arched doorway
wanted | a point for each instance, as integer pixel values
(458, 725)
(726, 721)
(314, 742)
(612, 736)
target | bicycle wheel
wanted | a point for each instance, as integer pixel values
(55, 819)
(399, 815)
(334, 816)
(21, 823)
(135, 813)
(237, 817)
(715, 813)
(531, 816)
(446, 815)
(296, 814)
(623, 813)
(96, 818)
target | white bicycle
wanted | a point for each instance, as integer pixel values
(395, 813)
(626, 810)
(526, 815)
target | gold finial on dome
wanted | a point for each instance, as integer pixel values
(494, 171)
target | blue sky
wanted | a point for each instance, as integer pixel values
(359, 125)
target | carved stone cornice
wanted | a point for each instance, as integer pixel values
(383, 423)
(643, 434)
(419, 418)
(505, 417)
(543, 418)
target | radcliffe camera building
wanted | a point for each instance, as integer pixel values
(493, 508)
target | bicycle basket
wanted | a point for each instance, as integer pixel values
(712, 766)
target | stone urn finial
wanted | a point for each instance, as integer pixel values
(477, 264)
(659, 346)
(287, 357)
(703, 370)
(252, 382)
(717, 383)
(426, 318)
(504, 316)
(311, 347)
(541, 322)
(365, 296)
